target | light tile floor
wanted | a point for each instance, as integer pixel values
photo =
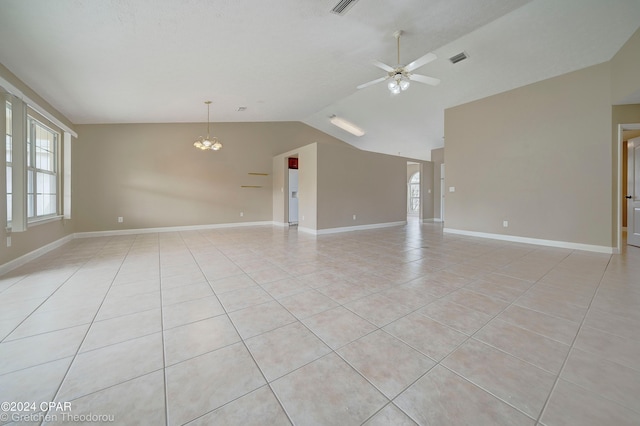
(269, 326)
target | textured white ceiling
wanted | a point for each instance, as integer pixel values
(124, 61)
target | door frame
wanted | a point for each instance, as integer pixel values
(621, 180)
(419, 213)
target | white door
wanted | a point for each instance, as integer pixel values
(633, 192)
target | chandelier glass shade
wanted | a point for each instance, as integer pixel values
(398, 83)
(208, 143)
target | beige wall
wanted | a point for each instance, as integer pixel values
(625, 85)
(538, 156)
(307, 186)
(437, 157)
(427, 188)
(625, 66)
(15, 81)
(372, 186)
(40, 235)
(337, 181)
(620, 114)
(152, 176)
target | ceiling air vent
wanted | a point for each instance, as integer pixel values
(459, 57)
(342, 6)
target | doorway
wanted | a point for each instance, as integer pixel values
(292, 190)
(441, 192)
(628, 185)
(414, 195)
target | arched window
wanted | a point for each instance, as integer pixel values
(414, 193)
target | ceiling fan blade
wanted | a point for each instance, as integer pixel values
(385, 67)
(424, 79)
(424, 60)
(371, 83)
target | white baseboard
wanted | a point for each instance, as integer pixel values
(25, 258)
(351, 228)
(536, 241)
(168, 229)
(15, 263)
(307, 230)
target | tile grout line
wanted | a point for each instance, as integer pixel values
(566, 359)
(75, 356)
(239, 335)
(4, 339)
(164, 350)
(469, 337)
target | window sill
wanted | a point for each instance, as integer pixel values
(44, 220)
(40, 221)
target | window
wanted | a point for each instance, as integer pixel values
(414, 193)
(42, 170)
(8, 160)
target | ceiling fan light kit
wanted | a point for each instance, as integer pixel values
(208, 143)
(401, 76)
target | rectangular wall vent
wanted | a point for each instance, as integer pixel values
(459, 57)
(342, 6)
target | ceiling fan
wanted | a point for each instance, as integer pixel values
(401, 75)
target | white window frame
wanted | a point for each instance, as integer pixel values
(19, 102)
(8, 164)
(33, 170)
(413, 183)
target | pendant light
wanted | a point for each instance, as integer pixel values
(208, 143)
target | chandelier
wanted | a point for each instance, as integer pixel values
(208, 143)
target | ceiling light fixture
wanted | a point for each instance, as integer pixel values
(346, 125)
(400, 77)
(208, 143)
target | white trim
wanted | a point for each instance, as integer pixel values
(66, 176)
(35, 106)
(117, 232)
(44, 220)
(437, 219)
(351, 228)
(536, 241)
(431, 220)
(307, 230)
(25, 258)
(281, 224)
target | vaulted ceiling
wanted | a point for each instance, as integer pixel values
(133, 61)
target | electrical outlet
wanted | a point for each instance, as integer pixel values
(505, 223)
(120, 219)
(452, 189)
(9, 241)
(354, 217)
(241, 214)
